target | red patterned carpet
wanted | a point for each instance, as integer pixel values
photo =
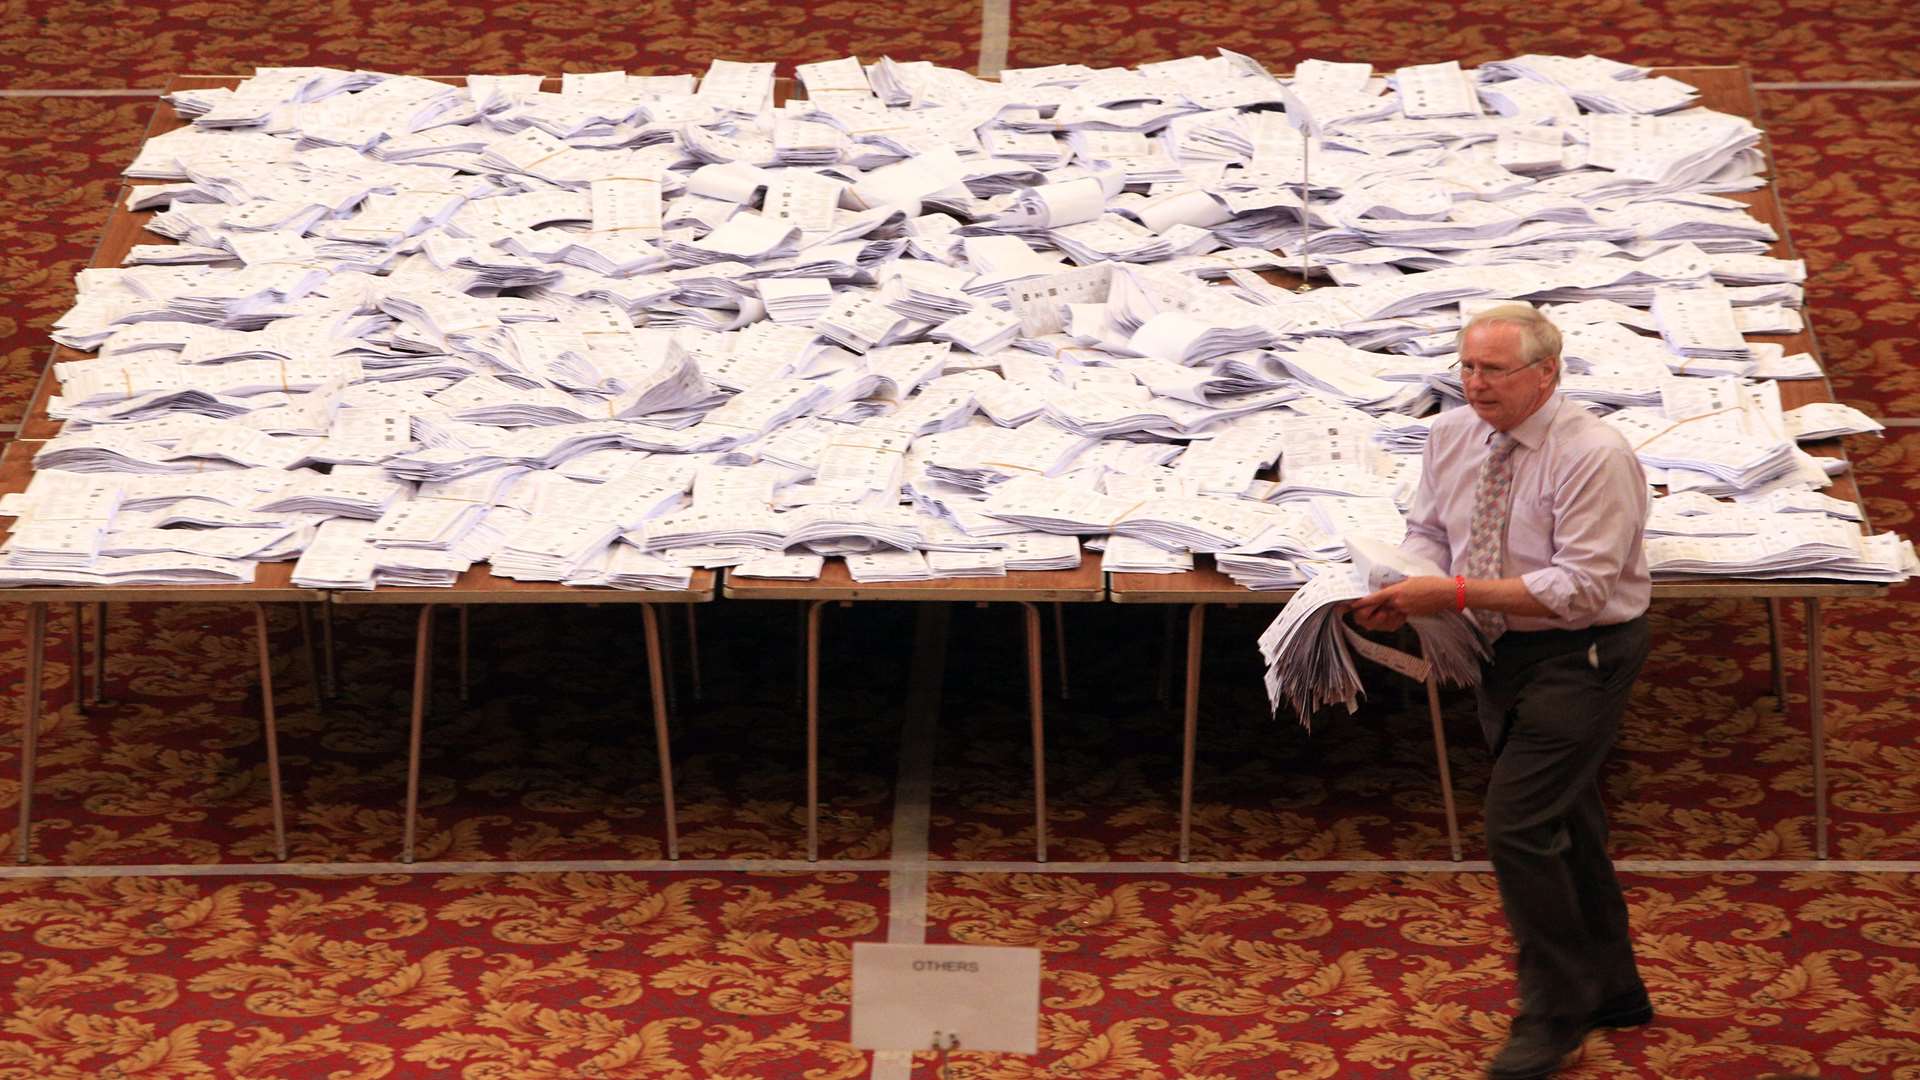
(89, 43)
(60, 162)
(735, 975)
(1781, 40)
(92, 43)
(578, 975)
(1284, 975)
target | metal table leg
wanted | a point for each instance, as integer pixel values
(30, 722)
(272, 733)
(422, 685)
(1196, 635)
(1817, 721)
(1035, 709)
(662, 742)
(1446, 770)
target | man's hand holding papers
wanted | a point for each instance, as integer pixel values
(1309, 651)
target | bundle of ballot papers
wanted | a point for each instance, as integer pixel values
(1309, 646)
(605, 331)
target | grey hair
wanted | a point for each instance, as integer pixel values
(1539, 338)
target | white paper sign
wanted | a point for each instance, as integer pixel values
(987, 996)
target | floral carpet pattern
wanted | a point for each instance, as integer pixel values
(746, 975)
(1280, 975)
(1207, 977)
(575, 975)
(1780, 40)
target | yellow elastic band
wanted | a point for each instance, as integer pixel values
(1688, 420)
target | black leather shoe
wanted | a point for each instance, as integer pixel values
(1535, 1048)
(1630, 1009)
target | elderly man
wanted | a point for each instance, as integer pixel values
(1538, 509)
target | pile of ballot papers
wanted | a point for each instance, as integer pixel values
(607, 331)
(1309, 646)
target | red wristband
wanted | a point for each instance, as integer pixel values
(1459, 592)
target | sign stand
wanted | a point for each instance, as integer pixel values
(942, 1069)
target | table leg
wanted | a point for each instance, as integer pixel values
(78, 659)
(329, 682)
(100, 652)
(1817, 720)
(693, 653)
(810, 657)
(463, 652)
(1446, 769)
(30, 722)
(272, 733)
(1779, 664)
(1196, 636)
(1035, 710)
(422, 685)
(1060, 646)
(662, 743)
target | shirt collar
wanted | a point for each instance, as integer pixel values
(1532, 431)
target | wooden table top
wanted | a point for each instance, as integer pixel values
(1084, 584)
(478, 586)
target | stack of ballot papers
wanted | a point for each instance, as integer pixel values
(781, 567)
(1259, 572)
(1309, 663)
(930, 324)
(1126, 555)
(1779, 546)
(1041, 551)
(624, 566)
(172, 568)
(1309, 646)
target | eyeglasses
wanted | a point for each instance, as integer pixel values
(1490, 374)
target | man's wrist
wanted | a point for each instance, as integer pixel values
(1459, 592)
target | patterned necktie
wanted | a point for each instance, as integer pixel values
(1486, 543)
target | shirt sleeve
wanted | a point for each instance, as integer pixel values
(1599, 511)
(1426, 534)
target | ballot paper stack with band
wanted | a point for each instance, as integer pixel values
(931, 325)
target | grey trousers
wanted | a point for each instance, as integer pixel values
(1550, 707)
